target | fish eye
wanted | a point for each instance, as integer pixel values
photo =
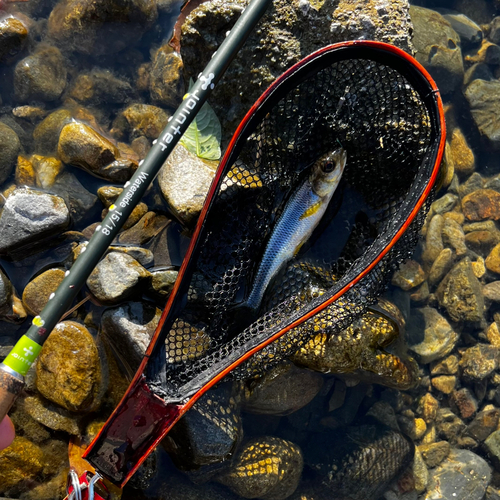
(328, 166)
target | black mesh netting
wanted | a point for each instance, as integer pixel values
(380, 109)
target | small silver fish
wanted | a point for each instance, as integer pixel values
(301, 215)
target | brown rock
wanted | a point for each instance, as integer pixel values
(482, 241)
(484, 423)
(409, 275)
(433, 454)
(447, 366)
(463, 157)
(479, 362)
(441, 266)
(147, 227)
(493, 260)
(25, 174)
(428, 407)
(166, 78)
(493, 334)
(69, 368)
(444, 383)
(482, 204)
(82, 146)
(37, 292)
(46, 134)
(465, 402)
(13, 38)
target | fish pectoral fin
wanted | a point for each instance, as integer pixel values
(311, 210)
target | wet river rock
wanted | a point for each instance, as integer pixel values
(206, 438)
(69, 370)
(462, 475)
(482, 204)
(37, 292)
(117, 277)
(282, 390)
(460, 293)
(9, 146)
(93, 27)
(41, 76)
(82, 146)
(268, 468)
(438, 48)
(184, 181)
(13, 37)
(141, 120)
(129, 328)
(28, 216)
(46, 133)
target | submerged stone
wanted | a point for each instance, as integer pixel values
(28, 216)
(9, 146)
(13, 38)
(69, 370)
(37, 292)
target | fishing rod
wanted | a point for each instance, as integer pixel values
(17, 363)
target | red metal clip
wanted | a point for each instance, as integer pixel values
(86, 487)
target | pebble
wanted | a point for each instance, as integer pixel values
(474, 183)
(433, 454)
(86, 29)
(444, 204)
(479, 361)
(492, 446)
(10, 147)
(447, 366)
(454, 237)
(441, 266)
(433, 240)
(209, 434)
(37, 292)
(117, 277)
(464, 403)
(166, 78)
(144, 256)
(444, 383)
(430, 335)
(481, 204)
(51, 416)
(463, 157)
(148, 226)
(100, 86)
(82, 146)
(413, 427)
(409, 275)
(491, 291)
(428, 406)
(184, 180)
(46, 133)
(282, 390)
(462, 475)
(484, 102)
(129, 329)
(460, 293)
(162, 282)
(494, 34)
(13, 38)
(493, 334)
(29, 216)
(144, 120)
(420, 472)
(69, 371)
(41, 76)
(484, 423)
(493, 260)
(267, 467)
(482, 242)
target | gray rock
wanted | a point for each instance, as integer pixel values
(469, 32)
(460, 293)
(491, 291)
(429, 335)
(162, 282)
(473, 183)
(434, 453)
(478, 71)
(184, 181)
(494, 34)
(144, 256)
(462, 475)
(41, 76)
(130, 327)
(438, 48)
(29, 216)
(117, 277)
(78, 199)
(441, 266)
(444, 204)
(454, 237)
(433, 239)
(484, 423)
(492, 446)
(9, 146)
(449, 426)
(5, 295)
(209, 434)
(288, 32)
(484, 102)
(282, 390)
